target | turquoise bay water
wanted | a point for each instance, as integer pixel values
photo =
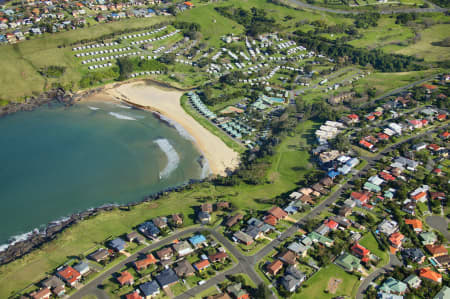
(56, 161)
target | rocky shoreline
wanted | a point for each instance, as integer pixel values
(37, 238)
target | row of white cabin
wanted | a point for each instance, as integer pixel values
(138, 42)
(328, 131)
(261, 79)
(145, 73)
(286, 45)
(103, 52)
(99, 66)
(184, 61)
(112, 44)
(98, 59)
(144, 34)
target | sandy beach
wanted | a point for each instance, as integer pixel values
(167, 103)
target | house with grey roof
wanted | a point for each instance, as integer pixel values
(298, 248)
(393, 286)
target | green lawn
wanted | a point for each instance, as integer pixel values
(318, 283)
(369, 242)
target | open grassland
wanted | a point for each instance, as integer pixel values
(318, 283)
(369, 242)
(425, 49)
(85, 236)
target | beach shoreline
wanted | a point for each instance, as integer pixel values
(165, 101)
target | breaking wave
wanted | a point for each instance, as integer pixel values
(123, 106)
(178, 127)
(121, 116)
(172, 157)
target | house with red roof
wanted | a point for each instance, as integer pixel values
(352, 118)
(144, 263)
(370, 117)
(134, 295)
(69, 275)
(420, 196)
(441, 117)
(434, 147)
(41, 294)
(359, 250)
(416, 224)
(365, 144)
(437, 195)
(331, 224)
(188, 4)
(125, 278)
(429, 274)
(202, 265)
(360, 198)
(277, 212)
(386, 176)
(436, 250)
(445, 135)
(382, 136)
(274, 267)
(430, 88)
(270, 220)
(415, 124)
(396, 239)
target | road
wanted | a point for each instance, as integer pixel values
(439, 223)
(356, 12)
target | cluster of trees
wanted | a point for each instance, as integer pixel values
(99, 76)
(53, 71)
(378, 59)
(366, 20)
(189, 29)
(128, 65)
(404, 18)
(255, 21)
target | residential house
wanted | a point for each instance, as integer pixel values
(149, 230)
(345, 211)
(144, 263)
(207, 207)
(396, 239)
(288, 257)
(254, 232)
(149, 289)
(134, 295)
(125, 278)
(388, 227)
(243, 238)
(218, 257)
(420, 194)
(197, 240)
(41, 294)
(371, 187)
(69, 275)
(409, 207)
(160, 222)
(182, 248)
(166, 278)
(318, 238)
(298, 248)
(234, 219)
(413, 281)
(360, 251)
(326, 182)
(177, 219)
(290, 283)
(184, 269)
(427, 273)
(223, 205)
(428, 238)
(414, 254)
(54, 284)
(416, 224)
(219, 296)
(331, 224)
(82, 268)
(165, 254)
(277, 213)
(99, 255)
(201, 265)
(204, 217)
(237, 291)
(444, 293)
(407, 163)
(443, 261)
(393, 286)
(348, 262)
(436, 250)
(360, 198)
(117, 244)
(132, 236)
(274, 267)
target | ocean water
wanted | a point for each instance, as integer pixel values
(55, 161)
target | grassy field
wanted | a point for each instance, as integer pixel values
(424, 47)
(318, 283)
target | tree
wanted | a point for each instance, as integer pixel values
(262, 291)
(125, 67)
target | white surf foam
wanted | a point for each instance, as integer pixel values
(123, 106)
(178, 127)
(172, 157)
(4, 247)
(121, 116)
(206, 170)
(93, 108)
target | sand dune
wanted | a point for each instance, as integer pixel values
(167, 103)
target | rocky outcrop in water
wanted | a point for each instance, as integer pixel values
(54, 95)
